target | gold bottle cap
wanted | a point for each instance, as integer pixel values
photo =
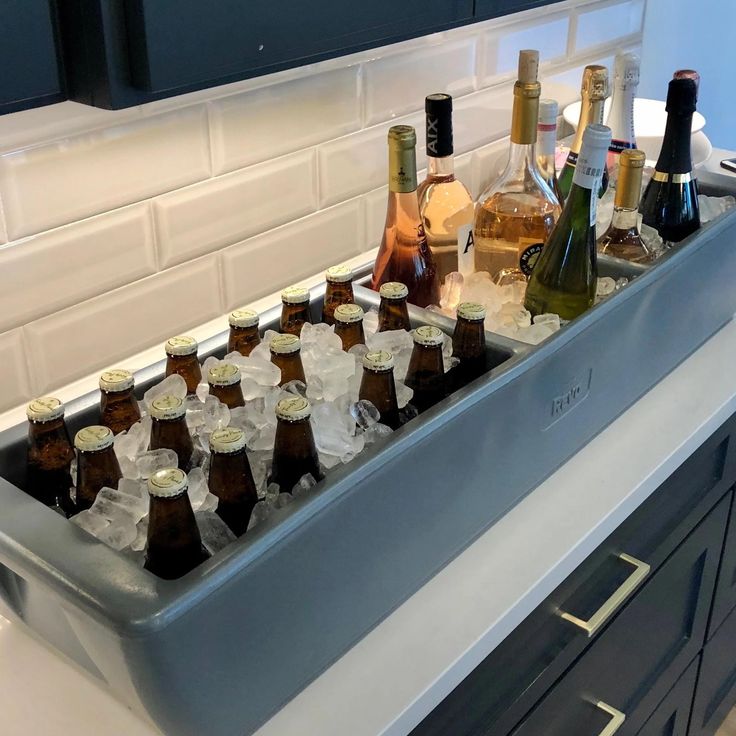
(293, 409)
(243, 318)
(471, 311)
(428, 335)
(378, 360)
(295, 295)
(628, 187)
(349, 313)
(595, 82)
(227, 440)
(528, 66)
(94, 438)
(284, 344)
(181, 345)
(402, 136)
(168, 483)
(115, 380)
(167, 407)
(393, 290)
(225, 374)
(339, 274)
(45, 409)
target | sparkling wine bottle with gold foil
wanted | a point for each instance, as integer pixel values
(445, 204)
(593, 91)
(516, 214)
(404, 254)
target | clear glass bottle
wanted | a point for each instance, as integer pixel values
(621, 113)
(622, 238)
(594, 90)
(445, 203)
(404, 254)
(547, 145)
(516, 214)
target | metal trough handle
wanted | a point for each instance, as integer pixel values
(617, 718)
(601, 616)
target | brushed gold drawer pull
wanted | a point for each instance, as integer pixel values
(617, 718)
(599, 618)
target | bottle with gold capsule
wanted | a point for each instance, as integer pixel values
(594, 91)
(339, 290)
(174, 545)
(378, 386)
(169, 428)
(244, 334)
(231, 478)
(294, 451)
(181, 358)
(224, 383)
(426, 373)
(622, 239)
(294, 310)
(517, 212)
(393, 312)
(286, 354)
(97, 464)
(469, 343)
(349, 325)
(118, 406)
(49, 453)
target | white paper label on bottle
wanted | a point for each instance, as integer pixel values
(465, 249)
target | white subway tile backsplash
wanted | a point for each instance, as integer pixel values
(108, 328)
(222, 211)
(397, 85)
(375, 216)
(259, 124)
(488, 162)
(604, 23)
(482, 117)
(14, 376)
(61, 267)
(61, 182)
(275, 259)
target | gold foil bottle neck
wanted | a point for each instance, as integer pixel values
(402, 136)
(402, 159)
(628, 187)
(527, 91)
(595, 83)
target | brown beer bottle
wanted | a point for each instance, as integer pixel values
(378, 386)
(349, 325)
(181, 358)
(231, 479)
(294, 452)
(339, 290)
(469, 343)
(243, 331)
(393, 314)
(169, 429)
(426, 373)
(224, 381)
(118, 405)
(174, 546)
(286, 354)
(97, 464)
(294, 310)
(49, 453)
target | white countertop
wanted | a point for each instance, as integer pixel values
(394, 676)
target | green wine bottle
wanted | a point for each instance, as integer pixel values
(565, 276)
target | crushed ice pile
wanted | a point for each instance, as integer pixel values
(342, 425)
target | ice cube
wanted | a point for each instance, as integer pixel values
(606, 287)
(149, 462)
(119, 534)
(334, 432)
(370, 321)
(550, 319)
(113, 504)
(199, 492)
(283, 499)
(621, 282)
(451, 291)
(215, 414)
(139, 543)
(299, 388)
(305, 484)
(376, 433)
(215, 533)
(364, 413)
(394, 341)
(534, 334)
(91, 522)
(604, 212)
(131, 443)
(404, 394)
(652, 240)
(258, 369)
(173, 384)
(261, 511)
(202, 391)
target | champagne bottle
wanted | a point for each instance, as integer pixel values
(404, 254)
(547, 144)
(445, 204)
(594, 91)
(670, 200)
(689, 74)
(517, 212)
(622, 239)
(621, 114)
(565, 277)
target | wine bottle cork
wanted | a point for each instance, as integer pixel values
(528, 66)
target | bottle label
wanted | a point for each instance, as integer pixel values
(619, 146)
(572, 159)
(529, 257)
(465, 249)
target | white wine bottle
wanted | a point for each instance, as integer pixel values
(621, 114)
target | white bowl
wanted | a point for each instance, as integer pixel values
(650, 119)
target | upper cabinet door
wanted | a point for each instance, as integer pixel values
(124, 52)
(494, 8)
(29, 57)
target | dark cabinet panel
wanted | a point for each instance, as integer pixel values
(725, 598)
(29, 55)
(673, 714)
(494, 8)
